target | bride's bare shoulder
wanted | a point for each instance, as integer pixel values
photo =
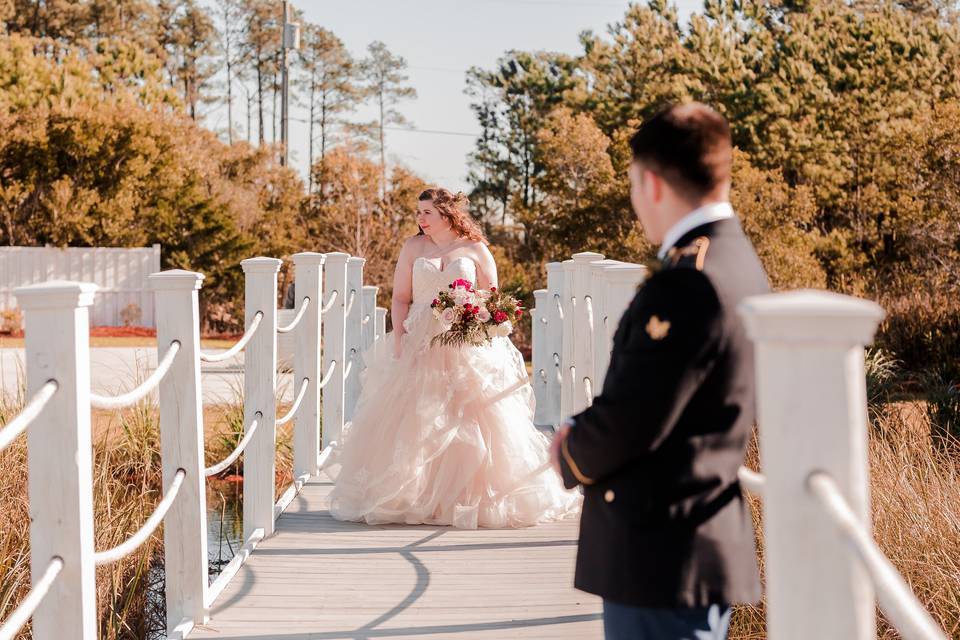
(414, 247)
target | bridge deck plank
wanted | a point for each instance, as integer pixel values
(321, 579)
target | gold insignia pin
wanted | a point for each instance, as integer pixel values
(658, 329)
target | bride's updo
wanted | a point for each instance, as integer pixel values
(453, 208)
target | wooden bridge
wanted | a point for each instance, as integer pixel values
(301, 574)
(318, 578)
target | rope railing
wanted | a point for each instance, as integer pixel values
(752, 481)
(328, 375)
(350, 301)
(143, 533)
(297, 318)
(588, 390)
(543, 375)
(296, 403)
(556, 298)
(148, 385)
(20, 615)
(330, 300)
(897, 601)
(221, 466)
(348, 370)
(241, 343)
(366, 319)
(29, 413)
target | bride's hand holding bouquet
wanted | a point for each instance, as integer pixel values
(473, 316)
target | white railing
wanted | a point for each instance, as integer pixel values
(822, 564)
(61, 601)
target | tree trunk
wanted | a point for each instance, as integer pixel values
(260, 97)
(383, 150)
(313, 91)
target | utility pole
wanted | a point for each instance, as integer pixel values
(290, 39)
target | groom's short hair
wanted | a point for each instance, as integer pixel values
(688, 145)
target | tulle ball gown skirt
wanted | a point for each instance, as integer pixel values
(444, 436)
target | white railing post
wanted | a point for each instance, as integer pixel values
(368, 319)
(567, 306)
(260, 394)
(584, 327)
(554, 342)
(334, 350)
(354, 346)
(181, 446)
(381, 328)
(306, 362)
(812, 416)
(59, 455)
(542, 361)
(617, 287)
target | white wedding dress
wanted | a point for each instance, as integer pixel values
(444, 435)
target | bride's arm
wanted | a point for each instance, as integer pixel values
(402, 290)
(486, 268)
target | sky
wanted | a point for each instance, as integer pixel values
(440, 40)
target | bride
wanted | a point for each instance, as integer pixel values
(444, 435)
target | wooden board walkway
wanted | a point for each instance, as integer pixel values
(320, 579)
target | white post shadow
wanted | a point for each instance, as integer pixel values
(368, 319)
(60, 457)
(381, 329)
(181, 446)
(260, 395)
(811, 406)
(306, 362)
(542, 361)
(334, 350)
(616, 286)
(585, 326)
(353, 326)
(554, 342)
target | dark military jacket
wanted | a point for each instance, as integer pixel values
(664, 521)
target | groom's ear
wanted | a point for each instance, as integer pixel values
(653, 184)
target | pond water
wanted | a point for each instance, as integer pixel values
(224, 539)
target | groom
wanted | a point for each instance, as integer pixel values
(666, 536)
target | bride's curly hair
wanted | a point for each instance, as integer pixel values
(453, 208)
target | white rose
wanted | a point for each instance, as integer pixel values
(448, 317)
(505, 328)
(483, 315)
(461, 296)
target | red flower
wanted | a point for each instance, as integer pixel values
(500, 317)
(460, 282)
(519, 312)
(493, 289)
(435, 302)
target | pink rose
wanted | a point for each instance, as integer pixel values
(483, 315)
(448, 316)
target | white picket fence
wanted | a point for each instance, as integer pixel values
(119, 273)
(56, 419)
(824, 571)
(823, 567)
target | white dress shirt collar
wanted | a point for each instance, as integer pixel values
(706, 214)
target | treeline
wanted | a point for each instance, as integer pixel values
(847, 122)
(114, 136)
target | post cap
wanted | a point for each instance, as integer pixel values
(54, 294)
(587, 256)
(540, 294)
(624, 272)
(261, 264)
(336, 257)
(554, 266)
(308, 258)
(355, 261)
(175, 279)
(370, 288)
(810, 316)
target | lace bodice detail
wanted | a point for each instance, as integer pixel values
(429, 279)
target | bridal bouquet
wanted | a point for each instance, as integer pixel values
(473, 316)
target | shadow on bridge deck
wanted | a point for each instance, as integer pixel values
(321, 579)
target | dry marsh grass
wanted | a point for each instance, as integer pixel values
(127, 486)
(915, 492)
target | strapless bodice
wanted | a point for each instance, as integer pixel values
(429, 279)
